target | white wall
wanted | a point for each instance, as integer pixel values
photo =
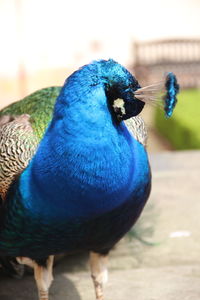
(56, 33)
(53, 34)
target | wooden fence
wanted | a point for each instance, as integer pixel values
(181, 56)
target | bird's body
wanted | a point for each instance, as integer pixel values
(91, 212)
(86, 172)
(87, 178)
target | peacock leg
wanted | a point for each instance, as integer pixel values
(25, 261)
(43, 275)
(99, 273)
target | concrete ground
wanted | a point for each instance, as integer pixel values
(165, 265)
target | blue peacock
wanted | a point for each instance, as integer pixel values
(74, 172)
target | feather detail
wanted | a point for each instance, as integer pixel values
(172, 89)
(150, 94)
(18, 144)
(160, 93)
(137, 128)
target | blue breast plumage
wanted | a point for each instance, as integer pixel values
(89, 179)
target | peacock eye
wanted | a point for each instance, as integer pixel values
(130, 86)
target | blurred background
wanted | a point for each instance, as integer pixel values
(42, 42)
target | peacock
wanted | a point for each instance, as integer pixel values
(74, 171)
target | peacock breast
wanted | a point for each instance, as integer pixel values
(88, 181)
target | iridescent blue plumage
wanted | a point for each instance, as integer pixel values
(90, 178)
(87, 166)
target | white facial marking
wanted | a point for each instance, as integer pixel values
(119, 103)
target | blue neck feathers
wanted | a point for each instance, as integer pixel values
(86, 164)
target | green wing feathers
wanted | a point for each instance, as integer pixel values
(38, 105)
(22, 125)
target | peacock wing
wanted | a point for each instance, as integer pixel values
(137, 128)
(22, 125)
(39, 106)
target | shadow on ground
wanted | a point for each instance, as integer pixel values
(62, 287)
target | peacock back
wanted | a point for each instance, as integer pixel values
(39, 106)
(22, 126)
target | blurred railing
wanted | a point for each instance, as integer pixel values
(181, 56)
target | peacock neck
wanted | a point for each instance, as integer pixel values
(82, 112)
(85, 165)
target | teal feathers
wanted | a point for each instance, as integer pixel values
(172, 89)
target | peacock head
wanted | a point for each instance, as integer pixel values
(124, 96)
(120, 86)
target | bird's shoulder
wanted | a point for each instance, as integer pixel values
(38, 105)
(22, 125)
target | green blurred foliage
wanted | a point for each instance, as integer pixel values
(183, 128)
